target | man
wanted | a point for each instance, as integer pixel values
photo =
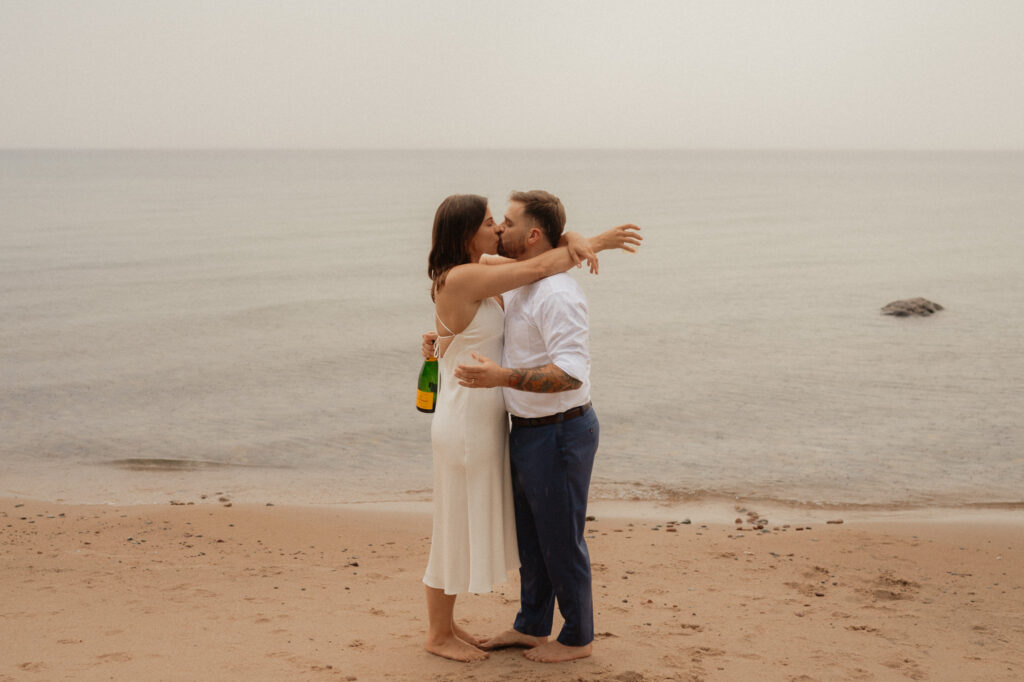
(545, 374)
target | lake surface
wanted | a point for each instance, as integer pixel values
(174, 322)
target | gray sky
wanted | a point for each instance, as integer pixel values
(910, 74)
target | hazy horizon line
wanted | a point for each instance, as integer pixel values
(940, 150)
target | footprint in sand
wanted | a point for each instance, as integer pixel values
(32, 666)
(889, 588)
(806, 590)
(699, 653)
(907, 667)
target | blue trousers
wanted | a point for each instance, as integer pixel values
(551, 467)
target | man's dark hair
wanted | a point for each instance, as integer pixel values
(546, 209)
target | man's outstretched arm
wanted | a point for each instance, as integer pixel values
(488, 374)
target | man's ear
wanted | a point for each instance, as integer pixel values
(534, 235)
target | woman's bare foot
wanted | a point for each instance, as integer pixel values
(511, 638)
(454, 648)
(465, 636)
(556, 652)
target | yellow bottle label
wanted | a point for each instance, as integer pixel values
(424, 400)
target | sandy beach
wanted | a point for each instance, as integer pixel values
(210, 589)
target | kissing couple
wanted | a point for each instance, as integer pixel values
(511, 337)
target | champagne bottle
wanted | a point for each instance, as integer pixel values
(426, 393)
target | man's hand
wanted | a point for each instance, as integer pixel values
(428, 344)
(547, 379)
(487, 374)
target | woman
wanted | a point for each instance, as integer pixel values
(474, 544)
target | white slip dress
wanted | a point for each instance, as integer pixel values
(473, 546)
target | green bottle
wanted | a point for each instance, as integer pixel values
(426, 393)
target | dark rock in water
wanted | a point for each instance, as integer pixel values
(911, 306)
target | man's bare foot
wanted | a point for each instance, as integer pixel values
(511, 638)
(556, 652)
(454, 648)
(465, 636)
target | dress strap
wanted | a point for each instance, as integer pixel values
(448, 329)
(437, 341)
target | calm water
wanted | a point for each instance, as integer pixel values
(183, 322)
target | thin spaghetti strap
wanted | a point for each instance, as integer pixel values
(446, 327)
(437, 341)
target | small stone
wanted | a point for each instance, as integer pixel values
(738, 522)
(591, 518)
(836, 521)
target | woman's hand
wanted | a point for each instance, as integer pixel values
(581, 249)
(429, 338)
(623, 237)
(487, 374)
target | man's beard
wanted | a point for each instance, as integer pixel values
(504, 250)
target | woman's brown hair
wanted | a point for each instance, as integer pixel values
(456, 221)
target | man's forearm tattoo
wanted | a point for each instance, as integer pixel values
(546, 379)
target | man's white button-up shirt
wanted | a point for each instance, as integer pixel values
(547, 322)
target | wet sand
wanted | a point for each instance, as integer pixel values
(211, 591)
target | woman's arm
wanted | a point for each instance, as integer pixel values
(492, 259)
(475, 282)
(578, 245)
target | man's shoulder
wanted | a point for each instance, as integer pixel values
(554, 293)
(562, 282)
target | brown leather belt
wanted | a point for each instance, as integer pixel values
(551, 419)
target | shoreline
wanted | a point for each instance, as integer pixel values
(99, 485)
(716, 508)
(225, 590)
